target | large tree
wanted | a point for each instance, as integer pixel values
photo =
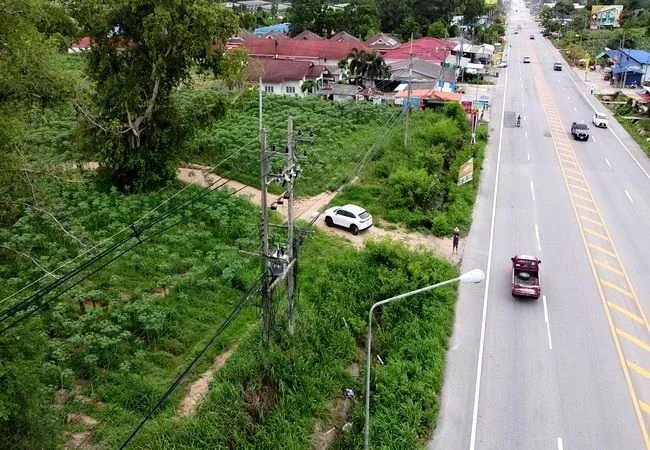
(27, 70)
(142, 50)
(303, 15)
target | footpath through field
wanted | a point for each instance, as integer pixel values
(307, 208)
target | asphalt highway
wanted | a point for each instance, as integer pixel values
(570, 370)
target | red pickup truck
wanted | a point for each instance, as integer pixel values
(525, 276)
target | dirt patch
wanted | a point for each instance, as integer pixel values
(161, 292)
(328, 430)
(262, 397)
(354, 369)
(81, 419)
(308, 208)
(199, 388)
(80, 440)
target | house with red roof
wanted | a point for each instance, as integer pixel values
(427, 49)
(343, 36)
(382, 43)
(307, 36)
(318, 52)
(285, 76)
(83, 44)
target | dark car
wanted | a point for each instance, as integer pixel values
(580, 131)
(557, 66)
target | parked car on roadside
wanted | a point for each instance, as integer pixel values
(600, 120)
(352, 217)
(502, 64)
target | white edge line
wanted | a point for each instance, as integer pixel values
(479, 366)
(548, 324)
(607, 162)
(610, 129)
(532, 190)
(560, 446)
(629, 197)
(539, 247)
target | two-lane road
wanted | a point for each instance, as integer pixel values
(572, 369)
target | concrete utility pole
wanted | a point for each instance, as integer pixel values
(291, 279)
(408, 96)
(266, 276)
(282, 262)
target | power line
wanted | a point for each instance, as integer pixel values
(136, 233)
(126, 228)
(253, 291)
(364, 160)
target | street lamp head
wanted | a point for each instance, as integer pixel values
(473, 276)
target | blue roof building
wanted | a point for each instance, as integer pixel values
(631, 66)
(281, 28)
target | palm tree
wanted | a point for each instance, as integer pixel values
(358, 64)
(367, 65)
(376, 67)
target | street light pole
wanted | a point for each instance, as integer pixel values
(473, 276)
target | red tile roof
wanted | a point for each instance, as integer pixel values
(280, 70)
(83, 43)
(428, 48)
(344, 36)
(303, 49)
(308, 36)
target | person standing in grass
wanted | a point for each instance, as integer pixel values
(455, 241)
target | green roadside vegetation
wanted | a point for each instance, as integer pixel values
(344, 131)
(122, 336)
(109, 348)
(639, 129)
(417, 186)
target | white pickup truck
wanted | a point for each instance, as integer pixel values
(600, 120)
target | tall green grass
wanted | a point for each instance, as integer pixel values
(417, 185)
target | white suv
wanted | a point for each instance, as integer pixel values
(351, 217)
(600, 120)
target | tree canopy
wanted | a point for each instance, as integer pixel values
(142, 50)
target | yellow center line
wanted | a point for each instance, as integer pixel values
(582, 197)
(616, 288)
(625, 312)
(632, 339)
(569, 169)
(608, 267)
(581, 188)
(602, 250)
(638, 369)
(595, 222)
(586, 208)
(579, 180)
(551, 115)
(594, 233)
(644, 406)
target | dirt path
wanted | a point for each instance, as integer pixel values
(200, 387)
(307, 208)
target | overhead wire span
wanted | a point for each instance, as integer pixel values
(126, 228)
(253, 291)
(136, 233)
(368, 155)
(392, 119)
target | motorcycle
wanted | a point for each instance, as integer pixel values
(518, 122)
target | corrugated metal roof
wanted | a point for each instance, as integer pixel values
(303, 49)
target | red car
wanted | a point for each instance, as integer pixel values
(525, 276)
